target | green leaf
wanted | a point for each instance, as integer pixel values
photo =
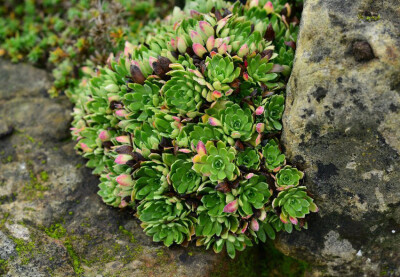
(230, 249)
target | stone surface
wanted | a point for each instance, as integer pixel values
(52, 223)
(341, 125)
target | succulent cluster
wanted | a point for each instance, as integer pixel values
(184, 127)
(63, 35)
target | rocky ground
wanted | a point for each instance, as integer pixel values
(341, 126)
(52, 223)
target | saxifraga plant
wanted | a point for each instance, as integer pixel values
(184, 128)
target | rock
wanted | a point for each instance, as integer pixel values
(341, 125)
(22, 80)
(52, 222)
(18, 231)
(7, 247)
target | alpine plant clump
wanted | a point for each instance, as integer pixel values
(184, 128)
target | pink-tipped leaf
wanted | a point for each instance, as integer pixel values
(123, 158)
(124, 180)
(231, 207)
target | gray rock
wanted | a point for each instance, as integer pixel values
(341, 125)
(52, 222)
(7, 248)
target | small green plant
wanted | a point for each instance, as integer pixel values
(184, 128)
(38, 32)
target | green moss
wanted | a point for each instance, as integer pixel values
(34, 189)
(86, 223)
(3, 266)
(160, 252)
(76, 262)
(24, 249)
(7, 159)
(4, 219)
(44, 176)
(56, 231)
(31, 139)
(369, 18)
(127, 233)
(138, 249)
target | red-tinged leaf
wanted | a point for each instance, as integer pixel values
(293, 220)
(123, 139)
(244, 227)
(201, 148)
(123, 158)
(124, 180)
(291, 44)
(260, 110)
(269, 7)
(254, 225)
(104, 135)
(231, 207)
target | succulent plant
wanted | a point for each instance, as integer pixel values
(273, 112)
(259, 69)
(274, 158)
(288, 177)
(193, 133)
(294, 204)
(213, 201)
(249, 158)
(182, 93)
(221, 71)
(232, 243)
(253, 194)
(112, 192)
(215, 161)
(235, 121)
(177, 231)
(183, 178)
(149, 180)
(209, 226)
(183, 127)
(161, 209)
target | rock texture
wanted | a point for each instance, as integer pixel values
(52, 223)
(341, 125)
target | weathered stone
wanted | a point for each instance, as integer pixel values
(7, 248)
(341, 125)
(52, 222)
(22, 80)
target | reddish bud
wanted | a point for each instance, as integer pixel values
(254, 225)
(104, 135)
(123, 159)
(231, 207)
(124, 180)
(123, 139)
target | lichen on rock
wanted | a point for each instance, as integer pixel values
(341, 127)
